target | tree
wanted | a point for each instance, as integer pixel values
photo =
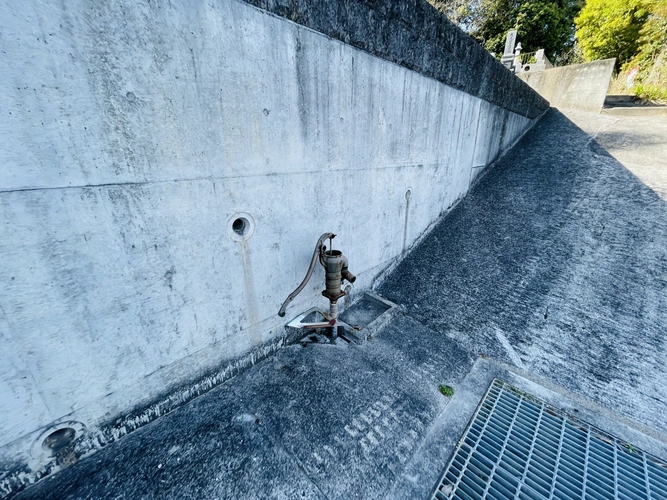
(540, 24)
(653, 34)
(463, 13)
(651, 58)
(611, 28)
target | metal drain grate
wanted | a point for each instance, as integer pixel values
(518, 447)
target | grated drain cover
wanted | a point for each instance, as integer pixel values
(518, 447)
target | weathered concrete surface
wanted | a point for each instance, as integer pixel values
(226, 445)
(415, 35)
(556, 263)
(578, 86)
(324, 421)
(132, 133)
(416, 480)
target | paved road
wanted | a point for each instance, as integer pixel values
(639, 143)
(556, 262)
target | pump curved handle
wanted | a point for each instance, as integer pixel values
(311, 268)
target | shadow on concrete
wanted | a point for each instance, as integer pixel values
(555, 262)
(635, 139)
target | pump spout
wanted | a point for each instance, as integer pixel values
(317, 253)
(347, 275)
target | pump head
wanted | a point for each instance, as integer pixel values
(335, 267)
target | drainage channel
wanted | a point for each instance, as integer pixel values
(519, 447)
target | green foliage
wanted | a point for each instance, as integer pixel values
(540, 24)
(463, 13)
(651, 92)
(632, 31)
(611, 28)
(446, 390)
(651, 58)
(573, 55)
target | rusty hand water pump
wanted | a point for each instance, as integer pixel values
(335, 267)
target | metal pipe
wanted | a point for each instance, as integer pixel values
(328, 324)
(333, 312)
(316, 255)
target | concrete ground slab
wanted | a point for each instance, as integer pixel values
(639, 143)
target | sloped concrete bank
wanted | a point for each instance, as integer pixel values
(135, 135)
(557, 262)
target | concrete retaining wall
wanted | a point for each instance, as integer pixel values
(134, 134)
(413, 34)
(579, 86)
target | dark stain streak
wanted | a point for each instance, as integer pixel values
(194, 65)
(169, 277)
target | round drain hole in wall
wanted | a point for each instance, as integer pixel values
(51, 441)
(241, 226)
(58, 440)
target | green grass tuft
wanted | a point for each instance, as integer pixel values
(650, 92)
(446, 390)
